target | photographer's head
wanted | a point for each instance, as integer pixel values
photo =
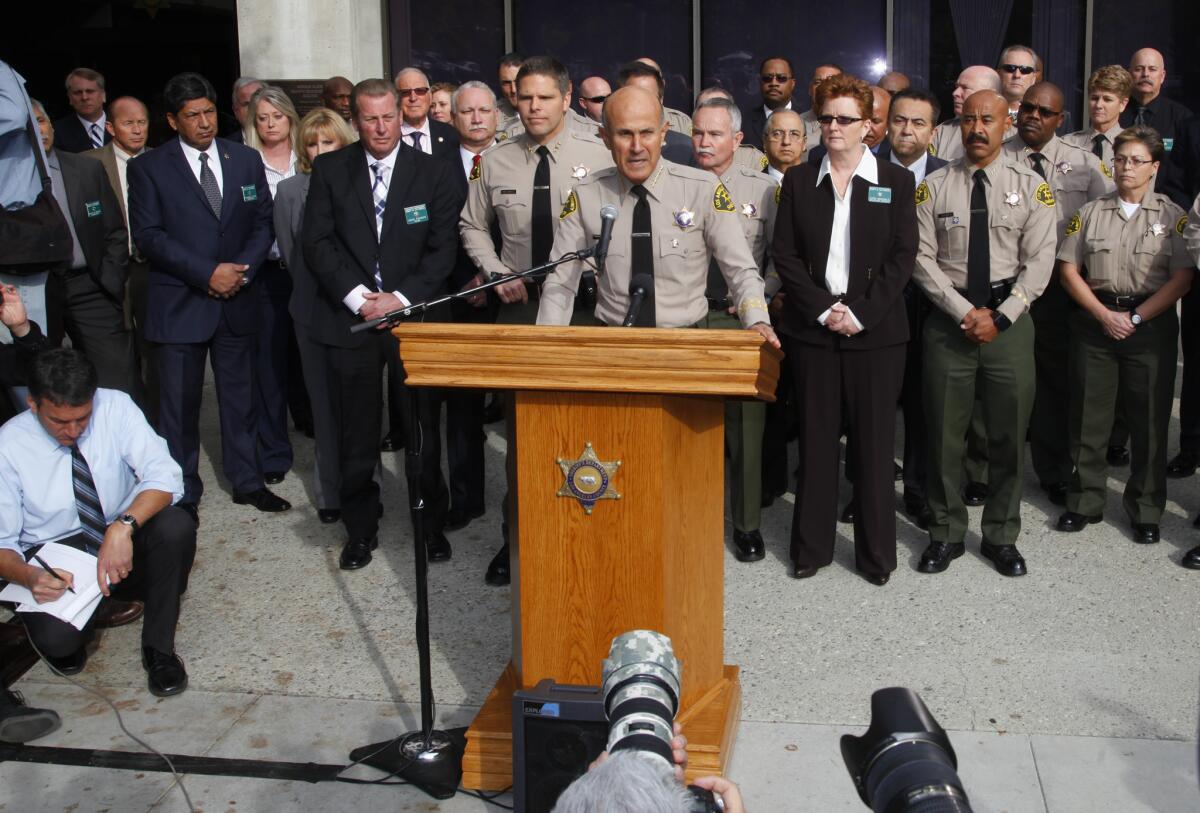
(61, 386)
(626, 782)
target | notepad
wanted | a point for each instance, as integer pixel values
(74, 608)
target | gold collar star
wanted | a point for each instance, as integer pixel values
(588, 479)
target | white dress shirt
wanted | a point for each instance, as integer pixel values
(355, 299)
(274, 176)
(918, 168)
(426, 139)
(768, 111)
(122, 159)
(837, 265)
(37, 486)
(468, 159)
(192, 155)
(88, 125)
(775, 174)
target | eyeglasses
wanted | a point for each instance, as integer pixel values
(777, 135)
(595, 99)
(1129, 160)
(775, 77)
(1029, 108)
(1024, 70)
(843, 121)
(417, 92)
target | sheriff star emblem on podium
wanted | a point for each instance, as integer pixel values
(588, 479)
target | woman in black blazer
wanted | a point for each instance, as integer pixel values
(845, 242)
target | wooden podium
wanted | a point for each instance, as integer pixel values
(650, 558)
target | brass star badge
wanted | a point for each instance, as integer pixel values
(588, 479)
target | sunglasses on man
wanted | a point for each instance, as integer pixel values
(767, 78)
(1024, 70)
(595, 99)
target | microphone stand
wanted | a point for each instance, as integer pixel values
(428, 758)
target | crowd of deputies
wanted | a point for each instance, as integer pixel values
(1007, 287)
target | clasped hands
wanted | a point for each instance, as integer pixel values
(1117, 325)
(227, 279)
(978, 325)
(840, 321)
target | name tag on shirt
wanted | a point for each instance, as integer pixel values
(1168, 143)
(249, 193)
(416, 214)
(93, 208)
(879, 194)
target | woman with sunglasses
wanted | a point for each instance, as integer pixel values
(845, 243)
(1124, 262)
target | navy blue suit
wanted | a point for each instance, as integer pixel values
(184, 241)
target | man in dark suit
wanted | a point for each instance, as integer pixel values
(379, 233)
(85, 298)
(777, 81)
(418, 130)
(83, 129)
(200, 210)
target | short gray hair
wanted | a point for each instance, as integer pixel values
(244, 81)
(409, 69)
(474, 84)
(627, 782)
(728, 105)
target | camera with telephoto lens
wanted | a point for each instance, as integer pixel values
(640, 684)
(904, 763)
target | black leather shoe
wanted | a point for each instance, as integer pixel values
(457, 518)
(897, 471)
(165, 675)
(272, 478)
(749, 545)
(70, 664)
(849, 512)
(877, 579)
(328, 516)
(799, 572)
(1145, 533)
(1183, 464)
(20, 723)
(391, 443)
(1070, 522)
(116, 613)
(1191, 559)
(357, 553)
(938, 555)
(1117, 456)
(437, 547)
(1006, 558)
(975, 494)
(497, 572)
(192, 509)
(1057, 492)
(262, 499)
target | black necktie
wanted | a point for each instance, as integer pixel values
(642, 248)
(543, 225)
(87, 501)
(1098, 147)
(1140, 118)
(415, 135)
(208, 182)
(1037, 159)
(979, 273)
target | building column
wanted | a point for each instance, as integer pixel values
(311, 39)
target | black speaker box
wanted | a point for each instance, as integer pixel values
(557, 732)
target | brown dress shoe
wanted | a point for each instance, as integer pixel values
(114, 613)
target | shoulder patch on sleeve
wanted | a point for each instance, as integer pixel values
(570, 207)
(1043, 195)
(932, 149)
(1104, 168)
(762, 163)
(476, 171)
(722, 202)
(778, 194)
(922, 193)
(1182, 224)
(1073, 225)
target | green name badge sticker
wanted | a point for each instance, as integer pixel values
(249, 193)
(416, 214)
(1168, 143)
(93, 208)
(879, 194)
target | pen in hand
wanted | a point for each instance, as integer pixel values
(51, 571)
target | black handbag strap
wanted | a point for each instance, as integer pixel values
(35, 141)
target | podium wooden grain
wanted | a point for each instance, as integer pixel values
(653, 559)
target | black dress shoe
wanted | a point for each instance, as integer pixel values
(749, 545)
(1070, 522)
(192, 509)
(1117, 456)
(497, 571)
(19, 723)
(975, 494)
(262, 499)
(1006, 558)
(938, 555)
(391, 443)
(799, 572)
(116, 613)
(165, 675)
(272, 478)
(1183, 464)
(328, 516)
(456, 518)
(877, 579)
(437, 547)
(849, 512)
(70, 664)
(1145, 533)
(897, 471)
(1191, 559)
(357, 552)
(1057, 492)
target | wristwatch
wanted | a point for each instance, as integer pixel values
(130, 520)
(1135, 317)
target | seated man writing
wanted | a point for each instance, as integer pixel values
(83, 468)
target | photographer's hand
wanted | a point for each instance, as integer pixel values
(731, 797)
(678, 754)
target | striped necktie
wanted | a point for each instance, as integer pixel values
(91, 513)
(379, 193)
(96, 135)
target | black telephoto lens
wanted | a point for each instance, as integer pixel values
(904, 763)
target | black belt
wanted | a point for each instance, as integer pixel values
(999, 291)
(278, 263)
(1122, 302)
(718, 304)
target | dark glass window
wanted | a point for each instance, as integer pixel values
(451, 40)
(1121, 29)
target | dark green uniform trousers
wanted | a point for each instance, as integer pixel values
(1048, 445)
(1139, 374)
(1001, 372)
(744, 423)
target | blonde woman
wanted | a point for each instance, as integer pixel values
(439, 102)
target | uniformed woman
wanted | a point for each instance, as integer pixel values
(1124, 263)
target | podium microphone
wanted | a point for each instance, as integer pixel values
(608, 216)
(640, 287)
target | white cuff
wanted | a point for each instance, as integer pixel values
(821, 319)
(403, 299)
(857, 323)
(355, 299)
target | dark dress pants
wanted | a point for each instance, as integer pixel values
(917, 306)
(163, 551)
(136, 291)
(271, 379)
(315, 359)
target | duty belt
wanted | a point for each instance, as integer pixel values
(999, 291)
(1122, 302)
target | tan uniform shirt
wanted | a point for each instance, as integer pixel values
(693, 217)
(506, 118)
(756, 199)
(812, 129)
(947, 139)
(576, 122)
(678, 121)
(1191, 232)
(1021, 234)
(751, 158)
(1083, 139)
(1075, 176)
(1127, 256)
(503, 190)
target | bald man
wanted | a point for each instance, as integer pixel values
(894, 82)
(1147, 104)
(592, 93)
(947, 141)
(677, 120)
(335, 94)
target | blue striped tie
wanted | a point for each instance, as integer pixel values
(91, 513)
(379, 192)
